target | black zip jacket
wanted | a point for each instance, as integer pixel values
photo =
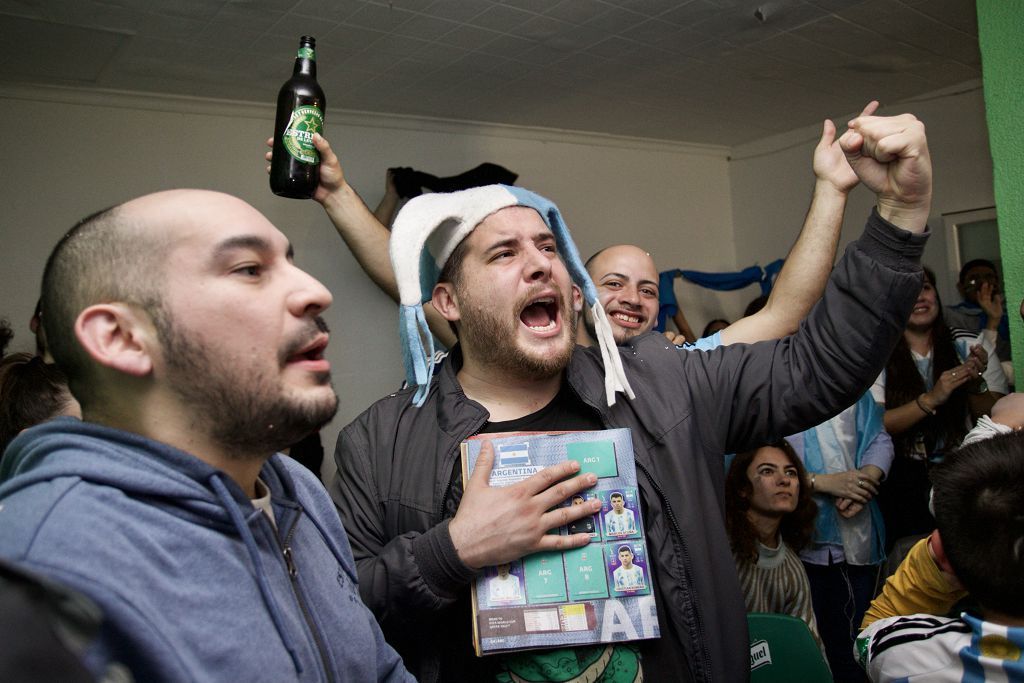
(395, 465)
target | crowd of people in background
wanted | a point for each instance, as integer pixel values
(142, 471)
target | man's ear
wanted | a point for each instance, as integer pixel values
(117, 336)
(577, 298)
(446, 301)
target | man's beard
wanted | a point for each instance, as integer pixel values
(620, 335)
(240, 408)
(492, 338)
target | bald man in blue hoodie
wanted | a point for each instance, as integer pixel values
(195, 347)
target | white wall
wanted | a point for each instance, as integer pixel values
(772, 181)
(68, 153)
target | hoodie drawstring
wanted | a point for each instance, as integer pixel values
(261, 578)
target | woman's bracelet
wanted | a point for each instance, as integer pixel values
(923, 407)
(812, 481)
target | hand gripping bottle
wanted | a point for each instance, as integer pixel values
(295, 168)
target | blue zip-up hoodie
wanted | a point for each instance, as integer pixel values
(195, 583)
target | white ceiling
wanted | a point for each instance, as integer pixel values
(704, 71)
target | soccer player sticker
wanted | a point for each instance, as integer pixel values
(505, 585)
(620, 514)
(627, 568)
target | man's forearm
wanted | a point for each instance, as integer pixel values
(683, 325)
(364, 235)
(803, 277)
(369, 241)
(802, 280)
(386, 210)
(828, 363)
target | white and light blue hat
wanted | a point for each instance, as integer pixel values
(426, 232)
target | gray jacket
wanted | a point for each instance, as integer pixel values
(395, 463)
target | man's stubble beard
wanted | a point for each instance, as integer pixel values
(492, 339)
(620, 335)
(245, 411)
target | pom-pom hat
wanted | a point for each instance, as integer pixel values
(426, 232)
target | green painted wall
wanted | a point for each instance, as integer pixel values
(1001, 35)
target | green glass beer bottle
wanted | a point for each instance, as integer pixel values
(301, 105)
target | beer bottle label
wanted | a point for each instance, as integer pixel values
(305, 53)
(298, 134)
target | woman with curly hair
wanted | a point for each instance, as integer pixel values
(769, 515)
(937, 382)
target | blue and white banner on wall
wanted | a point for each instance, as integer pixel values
(723, 282)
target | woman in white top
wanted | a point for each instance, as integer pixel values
(936, 383)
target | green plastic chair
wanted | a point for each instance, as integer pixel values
(782, 650)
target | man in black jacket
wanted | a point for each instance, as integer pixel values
(420, 537)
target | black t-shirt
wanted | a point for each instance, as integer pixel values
(566, 413)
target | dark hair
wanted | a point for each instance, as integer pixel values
(36, 323)
(755, 305)
(974, 263)
(452, 273)
(31, 391)
(716, 321)
(102, 258)
(979, 510)
(797, 527)
(6, 335)
(903, 384)
(452, 270)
